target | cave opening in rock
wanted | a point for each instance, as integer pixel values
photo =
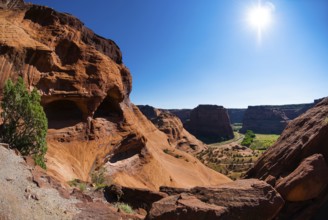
(109, 109)
(68, 52)
(62, 113)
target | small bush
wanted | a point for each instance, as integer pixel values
(99, 179)
(124, 207)
(78, 183)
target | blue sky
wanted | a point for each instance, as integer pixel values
(189, 52)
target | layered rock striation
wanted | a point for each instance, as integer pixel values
(85, 91)
(296, 165)
(210, 123)
(173, 128)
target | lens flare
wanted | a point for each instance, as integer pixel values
(260, 17)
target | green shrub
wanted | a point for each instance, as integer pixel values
(24, 121)
(78, 183)
(124, 207)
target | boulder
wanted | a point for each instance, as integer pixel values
(136, 197)
(210, 123)
(306, 182)
(242, 199)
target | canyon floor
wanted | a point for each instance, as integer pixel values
(231, 158)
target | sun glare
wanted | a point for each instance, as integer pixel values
(260, 17)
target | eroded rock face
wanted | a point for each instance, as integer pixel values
(85, 91)
(271, 119)
(210, 123)
(297, 164)
(243, 199)
(173, 128)
(11, 4)
(306, 182)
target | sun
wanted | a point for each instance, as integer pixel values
(260, 17)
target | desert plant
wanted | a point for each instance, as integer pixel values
(99, 179)
(124, 207)
(24, 121)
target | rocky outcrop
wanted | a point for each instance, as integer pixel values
(296, 165)
(243, 199)
(85, 91)
(11, 4)
(236, 115)
(271, 119)
(210, 123)
(137, 198)
(173, 128)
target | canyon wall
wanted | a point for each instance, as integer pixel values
(210, 123)
(85, 91)
(268, 119)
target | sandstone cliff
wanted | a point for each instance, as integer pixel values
(85, 91)
(273, 119)
(210, 123)
(264, 120)
(297, 164)
(173, 128)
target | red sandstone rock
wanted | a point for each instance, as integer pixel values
(85, 91)
(137, 198)
(243, 199)
(306, 182)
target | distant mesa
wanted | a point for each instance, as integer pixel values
(271, 119)
(210, 123)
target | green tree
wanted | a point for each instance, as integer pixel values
(248, 139)
(24, 121)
